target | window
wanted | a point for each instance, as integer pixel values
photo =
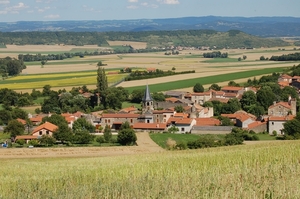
(105, 121)
(131, 120)
(108, 121)
(47, 132)
(148, 121)
(272, 123)
(40, 133)
(182, 129)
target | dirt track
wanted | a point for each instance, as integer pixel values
(144, 145)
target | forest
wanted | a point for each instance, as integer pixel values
(188, 38)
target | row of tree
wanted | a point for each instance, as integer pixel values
(215, 54)
(288, 57)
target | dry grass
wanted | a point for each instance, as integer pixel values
(249, 171)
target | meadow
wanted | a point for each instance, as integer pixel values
(249, 171)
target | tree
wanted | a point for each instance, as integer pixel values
(137, 95)
(126, 135)
(107, 133)
(215, 87)
(83, 124)
(101, 83)
(239, 59)
(173, 129)
(292, 128)
(46, 90)
(179, 109)
(56, 119)
(47, 140)
(63, 133)
(23, 101)
(233, 83)
(198, 88)
(262, 58)
(265, 97)
(159, 97)
(15, 128)
(232, 106)
(248, 99)
(82, 137)
(244, 57)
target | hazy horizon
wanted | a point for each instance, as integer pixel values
(63, 10)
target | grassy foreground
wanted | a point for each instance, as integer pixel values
(254, 171)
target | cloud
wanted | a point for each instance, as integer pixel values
(133, 1)
(52, 16)
(4, 2)
(90, 9)
(14, 9)
(132, 7)
(169, 2)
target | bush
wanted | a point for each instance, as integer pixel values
(170, 144)
(181, 146)
(33, 143)
(21, 142)
(203, 142)
(274, 133)
(100, 139)
(127, 137)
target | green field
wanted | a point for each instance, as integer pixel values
(207, 80)
(249, 171)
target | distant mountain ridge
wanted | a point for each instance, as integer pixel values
(259, 26)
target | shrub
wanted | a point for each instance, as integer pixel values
(21, 142)
(181, 146)
(274, 133)
(100, 139)
(127, 136)
(33, 142)
(170, 144)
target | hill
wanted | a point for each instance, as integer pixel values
(187, 38)
(259, 26)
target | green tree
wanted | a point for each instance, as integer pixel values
(63, 134)
(107, 133)
(83, 124)
(56, 119)
(248, 99)
(15, 128)
(126, 135)
(137, 96)
(232, 106)
(179, 109)
(173, 129)
(215, 87)
(47, 140)
(244, 57)
(82, 137)
(46, 90)
(102, 84)
(239, 59)
(159, 97)
(265, 97)
(198, 88)
(23, 101)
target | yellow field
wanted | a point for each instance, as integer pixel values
(249, 171)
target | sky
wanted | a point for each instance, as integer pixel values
(58, 10)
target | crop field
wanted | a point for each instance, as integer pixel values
(57, 80)
(186, 60)
(250, 171)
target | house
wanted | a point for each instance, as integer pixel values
(207, 122)
(201, 98)
(285, 78)
(162, 116)
(44, 129)
(183, 124)
(283, 108)
(27, 138)
(131, 109)
(36, 120)
(275, 123)
(241, 118)
(115, 120)
(257, 126)
(198, 111)
(21, 121)
(176, 94)
(149, 126)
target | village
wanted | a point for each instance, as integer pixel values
(194, 118)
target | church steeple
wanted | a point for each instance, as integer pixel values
(147, 101)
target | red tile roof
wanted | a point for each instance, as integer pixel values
(171, 99)
(177, 120)
(21, 121)
(181, 115)
(47, 125)
(255, 124)
(281, 118)
(285, 104)
(201, 94)
(231, 88)
(37, 118)
(154, 126)
(26, 137)
(120, 115)
(207, 122)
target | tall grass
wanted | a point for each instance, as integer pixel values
(260, 171)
